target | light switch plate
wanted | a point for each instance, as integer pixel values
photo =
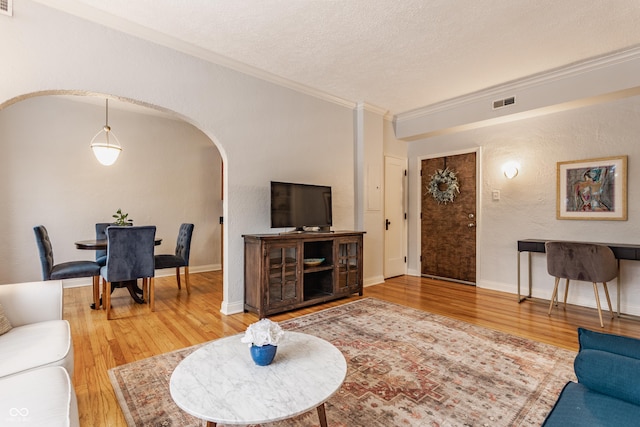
(495, 195)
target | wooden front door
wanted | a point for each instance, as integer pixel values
(448, 231)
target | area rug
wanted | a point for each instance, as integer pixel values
(406, 367)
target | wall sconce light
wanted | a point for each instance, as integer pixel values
(510, 169)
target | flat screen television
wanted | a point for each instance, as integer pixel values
(300, 206)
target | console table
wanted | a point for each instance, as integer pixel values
(620, 250)
(288, 271)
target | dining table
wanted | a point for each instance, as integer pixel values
(132, 285)
(101, 244)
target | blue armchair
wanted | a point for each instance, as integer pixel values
(608, 389)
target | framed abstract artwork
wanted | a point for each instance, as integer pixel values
(593, 189)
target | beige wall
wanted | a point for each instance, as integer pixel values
(527, 208)
(168, 173)
(263, 131)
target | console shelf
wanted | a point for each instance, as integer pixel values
(276, 278)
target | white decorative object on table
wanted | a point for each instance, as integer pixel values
(263, 332)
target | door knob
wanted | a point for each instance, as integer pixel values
(471, 225)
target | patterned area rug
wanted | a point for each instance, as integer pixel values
(405, 368)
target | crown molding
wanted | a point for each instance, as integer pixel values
(99, 17)
(125, 26)
(515, 86)
(372, 109)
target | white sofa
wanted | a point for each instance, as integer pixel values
(36, 357)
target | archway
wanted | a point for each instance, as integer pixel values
(52, 177)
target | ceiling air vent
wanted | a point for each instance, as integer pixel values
(6, 7)
(500, 103)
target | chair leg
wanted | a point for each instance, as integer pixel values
(178, 277)
(103, 287)
(186, 278)
(152, 297)
(566, 292)
(554, 295)
(96, 292)
(145, 290)
(106, 299)
(104, 290)
(606, 292)
(595, 290)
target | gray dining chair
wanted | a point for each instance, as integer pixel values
(181, 256)
(586, 262)
(65, 270)
(129, 257)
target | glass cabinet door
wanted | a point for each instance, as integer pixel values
(349, 253)
(283, 278)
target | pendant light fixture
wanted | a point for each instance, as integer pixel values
(105, 145)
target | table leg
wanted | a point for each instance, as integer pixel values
(520, 297)
(134, 290)
(529, 261)
(322, 415)
(131, 285)
(211, 424)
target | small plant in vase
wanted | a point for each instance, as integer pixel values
(122, 218)
(263, 337)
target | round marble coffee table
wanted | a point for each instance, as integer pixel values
(220, 383)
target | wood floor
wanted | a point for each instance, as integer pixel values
(181, 320)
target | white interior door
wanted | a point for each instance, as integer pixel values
(395, 246)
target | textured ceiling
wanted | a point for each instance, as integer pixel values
(397, 55)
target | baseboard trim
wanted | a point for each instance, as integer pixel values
(86, 281)
(375, 280)
(231, 307)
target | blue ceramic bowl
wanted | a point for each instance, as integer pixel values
(262, 356)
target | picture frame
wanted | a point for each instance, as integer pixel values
(592, 189)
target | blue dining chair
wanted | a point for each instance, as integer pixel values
(181, 256)
(129, 257)
(101, 234)
(101, 254)
(65, 270)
